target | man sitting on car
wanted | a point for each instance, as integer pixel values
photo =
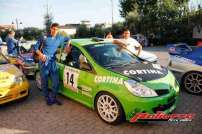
(129, 43)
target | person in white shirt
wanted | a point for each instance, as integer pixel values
(1, 42)
(129, 43)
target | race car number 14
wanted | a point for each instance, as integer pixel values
(70, 78)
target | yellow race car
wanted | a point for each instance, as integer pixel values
(13, 84)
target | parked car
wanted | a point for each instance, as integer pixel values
(199, 43)
(113, 81)
(13, 84)
(26, 64)
(3, 48)
(187, 61)
(24, 59)
(26, 46)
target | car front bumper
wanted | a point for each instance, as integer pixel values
(29, 70)
(16, 92)
(165, 103)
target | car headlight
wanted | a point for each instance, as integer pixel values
(138, 89)
(176, 86)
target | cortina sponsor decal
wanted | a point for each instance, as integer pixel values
(157, 66)
(86, 90)
(143, 71)
(108, 79)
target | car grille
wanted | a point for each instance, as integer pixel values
(23, 92)
(162, 91)
(6, 98)
(171, 98)
(164, 107)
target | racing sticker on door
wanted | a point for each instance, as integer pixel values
(70, 78)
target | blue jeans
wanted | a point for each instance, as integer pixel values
(51, 70)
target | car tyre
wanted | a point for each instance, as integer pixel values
(109, 108)
(192, 82)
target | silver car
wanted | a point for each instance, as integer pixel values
(187, 62)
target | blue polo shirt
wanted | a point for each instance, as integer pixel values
(50, 45)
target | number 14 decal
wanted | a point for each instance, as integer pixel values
(70, 78)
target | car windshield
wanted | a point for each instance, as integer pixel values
(3, 60)
(110, 55)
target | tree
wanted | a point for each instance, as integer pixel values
(117, 29)
(127, 6)
(83, 31)
(31, 33)
(98, 31)
(154, 16)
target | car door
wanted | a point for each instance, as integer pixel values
(180, 62)
(77, 81)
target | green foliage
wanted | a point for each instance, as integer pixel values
(31, 33)
(169, 20)
(117, 29)
(83, 31)
(127, 6)
(98, 30)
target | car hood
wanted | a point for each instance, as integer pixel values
(27, 58)
(142, 72)
(147, 56)
(8, 73)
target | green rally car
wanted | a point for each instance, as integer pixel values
(113, 81)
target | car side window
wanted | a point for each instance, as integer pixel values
(75, 58)
(71, 58)
(58, 55)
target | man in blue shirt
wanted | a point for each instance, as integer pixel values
(47, 62)
(11, 43)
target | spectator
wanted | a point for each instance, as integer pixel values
(47, 62)
(1, 42)
(129, 43)
(151, 39)
(109, 36)
(11, 43)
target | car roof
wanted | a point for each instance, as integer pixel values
(88, 41)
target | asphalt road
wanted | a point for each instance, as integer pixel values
(33, 116)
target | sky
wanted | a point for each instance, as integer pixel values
(31, 12)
